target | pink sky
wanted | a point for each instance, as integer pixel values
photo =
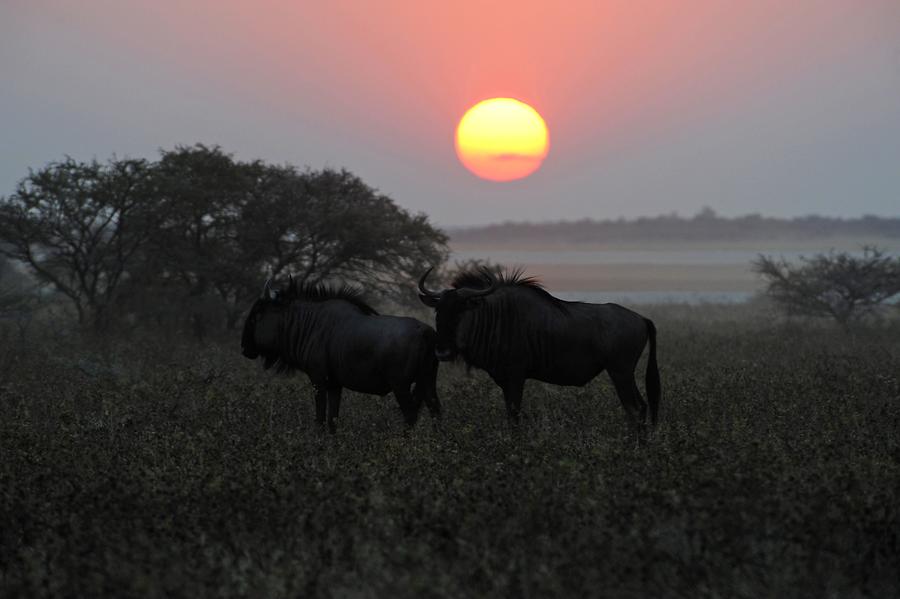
(776, 107)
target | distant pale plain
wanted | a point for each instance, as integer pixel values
(659, 275)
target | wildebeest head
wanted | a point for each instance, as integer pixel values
(261, 327)
(449, 307)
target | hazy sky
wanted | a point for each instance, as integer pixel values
(779, 107)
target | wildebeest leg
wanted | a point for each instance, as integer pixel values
(334, 407)
(433, 403)
(408, 404)
(321, 402)
(426, 389)
(512, 395)
(630, 396)
(427, 394)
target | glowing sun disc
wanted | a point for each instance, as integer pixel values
(502, 139)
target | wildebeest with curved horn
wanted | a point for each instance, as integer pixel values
(339, 341)
(509, 326)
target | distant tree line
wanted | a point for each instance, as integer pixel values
(188, 240)
(706, 225)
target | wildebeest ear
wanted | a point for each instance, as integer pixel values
(428, 300)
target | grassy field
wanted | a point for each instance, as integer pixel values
(145, 468)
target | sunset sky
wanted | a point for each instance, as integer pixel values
(777, 107)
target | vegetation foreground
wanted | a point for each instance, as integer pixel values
(132, 468)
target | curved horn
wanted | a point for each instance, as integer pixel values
(468, 292)
(424, 290)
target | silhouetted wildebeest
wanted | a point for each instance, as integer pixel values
(340, 341)
(509, 326)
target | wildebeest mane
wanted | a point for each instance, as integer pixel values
(480, 278)
(499, 317)
(320, 292)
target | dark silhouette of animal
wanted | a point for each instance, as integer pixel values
(509, 326)
(340, 342)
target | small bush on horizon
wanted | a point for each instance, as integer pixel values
(837, 285)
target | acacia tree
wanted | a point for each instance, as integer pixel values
(194, 252)
(838, 285)
(191, 237)
(329, 225)
(77, 226)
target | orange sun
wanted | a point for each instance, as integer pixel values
(502, 139)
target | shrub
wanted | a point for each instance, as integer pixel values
(838, 285)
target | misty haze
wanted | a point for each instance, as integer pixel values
(411, 299)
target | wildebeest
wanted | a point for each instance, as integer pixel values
(339, 341)
(509, 326)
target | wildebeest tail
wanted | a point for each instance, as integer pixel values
(651, 382)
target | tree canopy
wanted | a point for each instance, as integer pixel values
(193, 235)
